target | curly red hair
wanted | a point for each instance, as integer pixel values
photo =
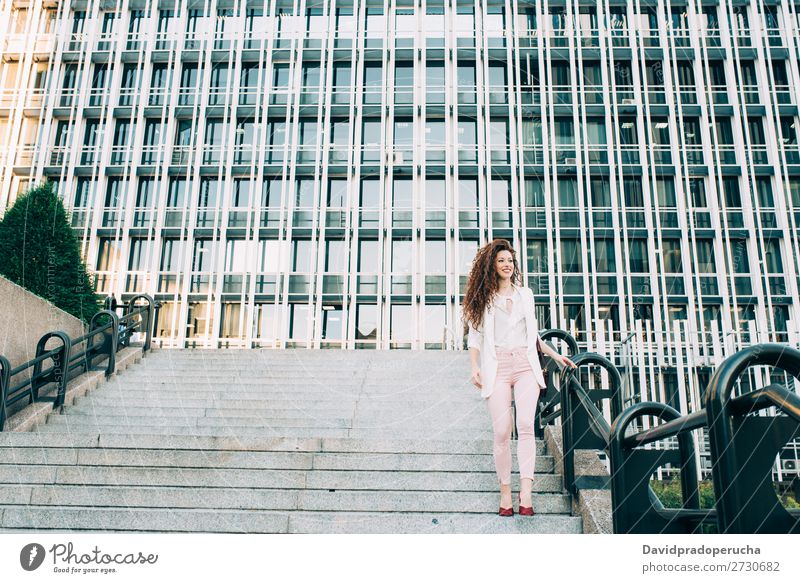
(482, 283)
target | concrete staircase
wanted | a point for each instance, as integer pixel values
(273, 441)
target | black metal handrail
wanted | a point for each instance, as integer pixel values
(548, 411)
(743, 449)
(579, 410)
(635, 507)
(688, 422)
(74, 356)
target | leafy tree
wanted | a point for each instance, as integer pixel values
(39, 251)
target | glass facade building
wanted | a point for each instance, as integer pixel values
(321, 173)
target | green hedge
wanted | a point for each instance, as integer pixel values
(41, 253)
(669, 492)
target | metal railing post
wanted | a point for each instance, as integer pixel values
(634, 506)
(58, 374)
(149, 323)
(63, 361)
(5, 380)
(574, 411)
(156, 313)
(730, 430)
(552, 396)
(110, 339)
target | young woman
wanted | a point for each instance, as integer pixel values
(503, 340)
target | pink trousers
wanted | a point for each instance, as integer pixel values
(513, 370)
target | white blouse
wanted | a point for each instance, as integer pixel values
(510, 330)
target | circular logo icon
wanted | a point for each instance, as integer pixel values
(31, 556)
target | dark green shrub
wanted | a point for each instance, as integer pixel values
(669, 492)
(39, 251)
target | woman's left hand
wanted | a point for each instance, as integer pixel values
(564, 361)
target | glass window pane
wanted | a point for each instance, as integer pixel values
(402, 323)
(336, 256)
(304, 195)
(434, 133)
(434, 322)
(665, 189)
(401, 256)
(638, 259)
(302, 256)
(571, 255)
(435, 257)
(671, 251)
(467, 193)
(501, 193)
(366, 322)
(403, 132)
(300, 319)
(466, 255)
(235, 255)
(369, 257)
(435, 193)
(337, 193)
(705, 256)
(567, 193)
(269, 256)
(402, 194)
(605, 259)
(332, 323)
(370, 193)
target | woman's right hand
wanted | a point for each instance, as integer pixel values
(476, 377)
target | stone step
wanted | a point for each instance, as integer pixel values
(364, 411)
(338, 368)
(266, 430)
(291, 432)
(410, 422)
(333, 370)
(429, 398)
(467, 395)
(90, 518)
(263, 478)
(302, 391)
(256, 401)
(162, 433)
(213, 409)
(260, 460)
(311, 354)
(273, 441)
(160, 381)
(72, 420)
(344, 365)
(282, 417)
(270, 499)
(24, 441)
(402, 523)
(156, 377)
(411, 366)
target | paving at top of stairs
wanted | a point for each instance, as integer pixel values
(272, 441)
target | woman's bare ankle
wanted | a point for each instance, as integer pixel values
(505, 495)
(526, 485)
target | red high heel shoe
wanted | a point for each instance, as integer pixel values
(524, 510)
(507, 511)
